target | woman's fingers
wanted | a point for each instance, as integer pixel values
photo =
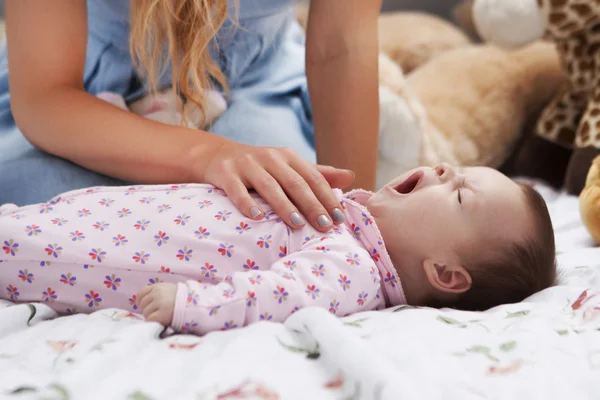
(300, 192)
(321, 188)
(238, 194)
(337, 178)
(271, 191)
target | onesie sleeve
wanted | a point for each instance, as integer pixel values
(334, 275)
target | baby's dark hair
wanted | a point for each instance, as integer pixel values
(520, 269)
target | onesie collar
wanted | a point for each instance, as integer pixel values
(361, 224)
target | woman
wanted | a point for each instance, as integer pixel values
(56, 136)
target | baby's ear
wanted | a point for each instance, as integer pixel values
(447, 278)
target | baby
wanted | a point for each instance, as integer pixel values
(185, 257)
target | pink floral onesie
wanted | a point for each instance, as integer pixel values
(95, 248)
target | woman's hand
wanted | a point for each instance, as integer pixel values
(298, 191)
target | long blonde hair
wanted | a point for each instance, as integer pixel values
(178, 33)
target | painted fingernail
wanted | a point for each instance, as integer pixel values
(297, 219)
(338, 215)
(324, 221)
(254, 212)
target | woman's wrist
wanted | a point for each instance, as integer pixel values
(198, 157)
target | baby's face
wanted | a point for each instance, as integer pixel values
(434, 212)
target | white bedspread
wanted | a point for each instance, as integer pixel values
(545, 348)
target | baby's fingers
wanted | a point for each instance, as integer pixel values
(143, 298)
(156, 316)
(150, 309)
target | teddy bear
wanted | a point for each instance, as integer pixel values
(589, 201)
(445, 99)
(458, 102)
(567, 136)
(468, 106)
(164, 107)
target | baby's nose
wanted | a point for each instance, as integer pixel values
(445, 171)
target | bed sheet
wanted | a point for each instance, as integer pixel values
(547, 347)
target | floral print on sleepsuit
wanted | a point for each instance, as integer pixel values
(96, 248)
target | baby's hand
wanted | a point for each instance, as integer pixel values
(157, 302)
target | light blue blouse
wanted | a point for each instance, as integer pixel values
(108, 65)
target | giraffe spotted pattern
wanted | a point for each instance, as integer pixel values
(573, 118)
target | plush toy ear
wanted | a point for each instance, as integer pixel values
(114, 99)
(454, 279)
(215, 107)
(164, 100)
(509, 23)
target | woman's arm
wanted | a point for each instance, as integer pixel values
(342, 69)
(47, 46)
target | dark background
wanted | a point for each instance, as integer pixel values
(440, 7)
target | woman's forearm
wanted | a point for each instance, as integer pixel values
(342, 70)
(344, 94)
(47, 44)
(75, 125)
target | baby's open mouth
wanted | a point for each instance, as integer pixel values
(410, 184)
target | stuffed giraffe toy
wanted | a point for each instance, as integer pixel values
(567, 135)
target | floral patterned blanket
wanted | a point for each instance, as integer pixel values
(547, 347)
